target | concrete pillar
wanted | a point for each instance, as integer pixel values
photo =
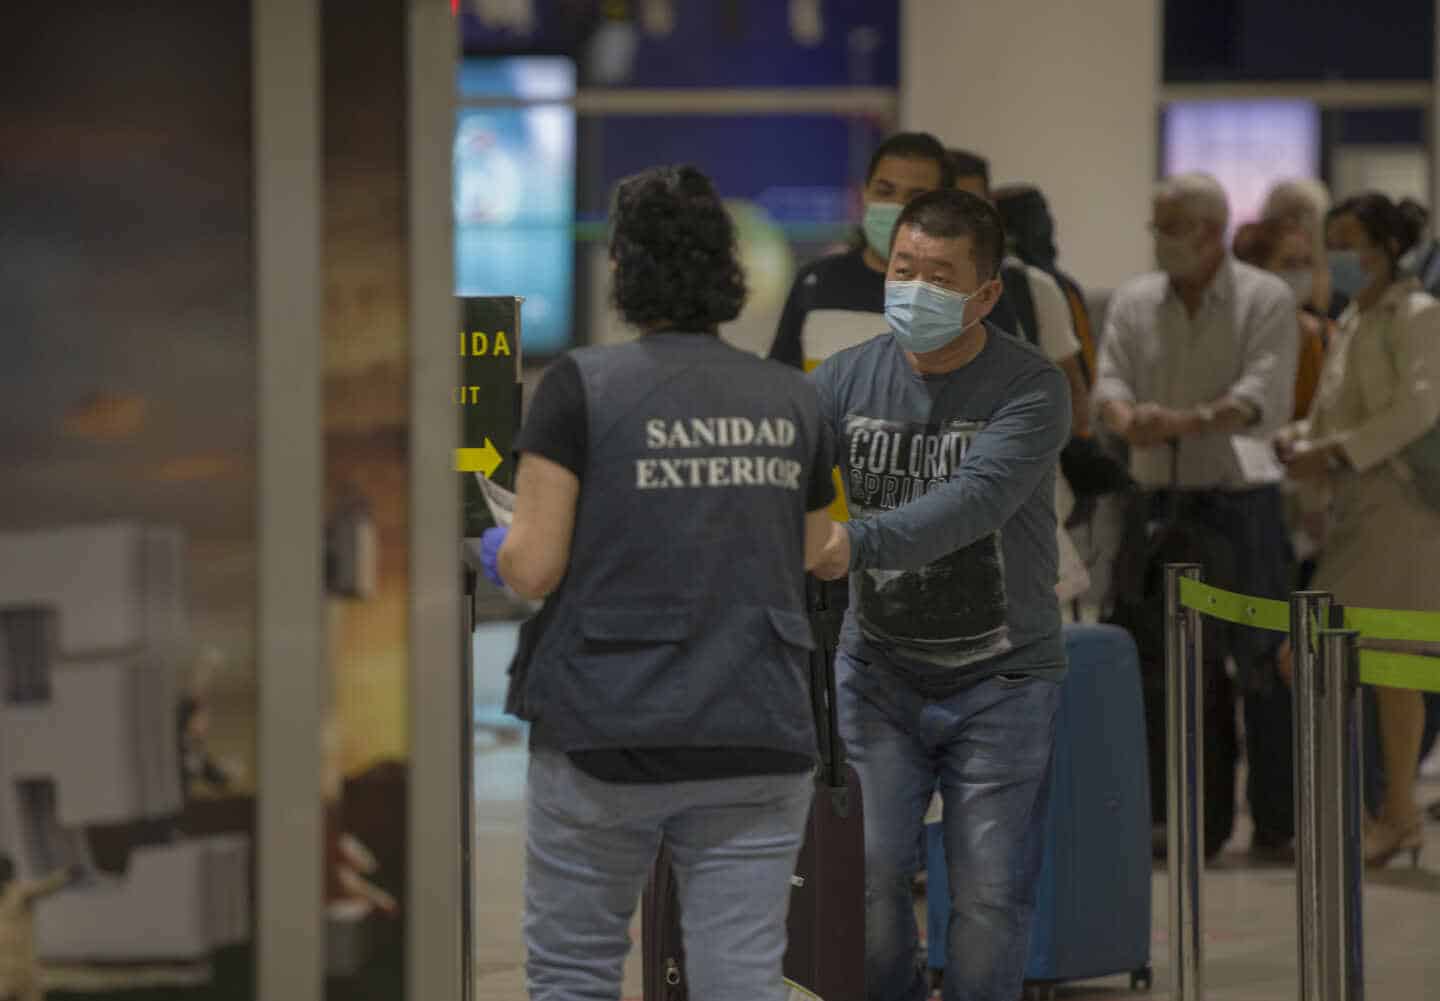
(433, 957)
(289, 928)
(1060, 94)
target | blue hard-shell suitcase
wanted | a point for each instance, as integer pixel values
(1097, 857)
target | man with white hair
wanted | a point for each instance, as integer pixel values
(1304, 201)
(1196, 365)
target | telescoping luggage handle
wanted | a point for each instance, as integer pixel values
(1174, 444)
(825, 701)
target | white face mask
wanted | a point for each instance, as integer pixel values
(1301, 282)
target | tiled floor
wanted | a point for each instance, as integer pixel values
(1250, 914)
(1250, 911)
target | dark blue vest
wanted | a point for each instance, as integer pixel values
(681, 620)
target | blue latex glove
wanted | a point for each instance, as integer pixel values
(490, 542)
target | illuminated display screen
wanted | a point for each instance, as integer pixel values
(515, 190)
(1245, 145)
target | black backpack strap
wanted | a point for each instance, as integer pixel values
(1017, 288)
(1079, 311)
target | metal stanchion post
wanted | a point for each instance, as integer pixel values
(1342, 881)
(1185, 694)
(468, 579)
(1309, 610)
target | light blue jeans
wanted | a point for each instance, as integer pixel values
(589, 848)
(987, 749)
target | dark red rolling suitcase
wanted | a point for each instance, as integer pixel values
(826, 926)
(825, 956)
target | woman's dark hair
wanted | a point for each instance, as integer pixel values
(1393, 228)
(914, 146)
(950, 213)
(1029, 226)
(673, 245)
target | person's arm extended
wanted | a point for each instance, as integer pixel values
(537, 550)
(1004, 466)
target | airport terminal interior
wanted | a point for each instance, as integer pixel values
(246, 474)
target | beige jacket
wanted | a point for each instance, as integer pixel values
(1380, 389)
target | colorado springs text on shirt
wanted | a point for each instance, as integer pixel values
(735, 470)
(893, 463)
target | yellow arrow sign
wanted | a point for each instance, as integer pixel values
(479, 460)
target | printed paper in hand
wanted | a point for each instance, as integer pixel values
(1257, 459)
(500, 501)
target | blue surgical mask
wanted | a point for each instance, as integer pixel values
(879, 225)
(924, 317)
(1347, 274)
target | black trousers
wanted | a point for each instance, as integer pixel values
(1270, 754)
(1253, 523)
(1222, 751)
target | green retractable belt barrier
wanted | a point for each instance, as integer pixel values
(1377, 667)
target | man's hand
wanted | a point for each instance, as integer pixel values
(834, 562)
(1308, 461)
(1285, 663)
(1284, 442)
(1155, 425)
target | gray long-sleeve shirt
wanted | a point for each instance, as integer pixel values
(950, 484)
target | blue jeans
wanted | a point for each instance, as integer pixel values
(988, 750)
(589, 848)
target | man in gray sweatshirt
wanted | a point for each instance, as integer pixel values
(948, 432)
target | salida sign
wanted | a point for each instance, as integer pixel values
(488, 399)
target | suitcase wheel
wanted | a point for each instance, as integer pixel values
(1142, 979)
(1039, 992)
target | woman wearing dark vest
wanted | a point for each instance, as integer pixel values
(671, 493)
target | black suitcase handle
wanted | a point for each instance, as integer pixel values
(823, 696)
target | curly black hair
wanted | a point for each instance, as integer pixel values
(673, 246)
